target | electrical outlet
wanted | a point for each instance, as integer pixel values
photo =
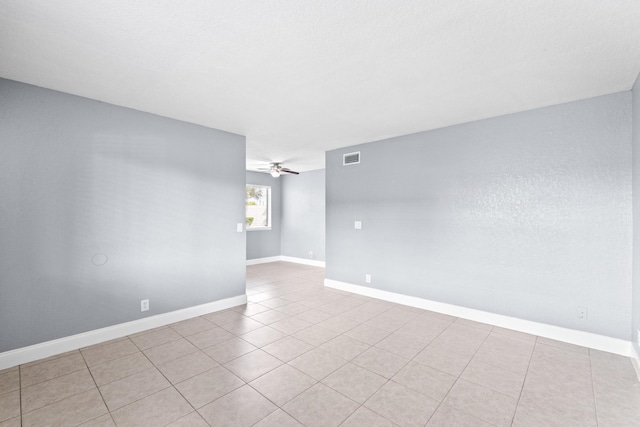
(638, 336)
(367, 278)
(144, 305)
(357, 225)
(310, 254)
(582, 313)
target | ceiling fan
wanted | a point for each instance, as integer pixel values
(276, 169)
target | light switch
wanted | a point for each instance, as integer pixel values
(239, 227)
(357, 225)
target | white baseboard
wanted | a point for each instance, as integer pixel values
(263, 260)
(585, 339)
(19, 356)
(312, 262)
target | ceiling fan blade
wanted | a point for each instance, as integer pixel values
(289, 171)
(264, 169)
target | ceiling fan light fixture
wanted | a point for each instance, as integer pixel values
(274, 171)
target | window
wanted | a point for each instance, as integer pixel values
(258, 207)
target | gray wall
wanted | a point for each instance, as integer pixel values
(636, 214)
(526, 215)
(161, 198)
(266, 243)
(303, 215)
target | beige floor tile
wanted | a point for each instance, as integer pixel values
(9, 381)
(564, 385)
(275, 302)
(222, 317)
(488, 405)
(345, 347)
(287, 348)
(506, 352)
(381, 362)
(135, 387)
(278, 418)
(494, 377)
(192, 420)
(252, 365)
(614, 414)
(157, 409)
(448, 357)
(52, 357)
(448, 416)
(229, 350)
(119, 368)
(242, 326)
(187, 366)
(552, 416)
(209, 386)
(316, 335)
(9, 405)
(314, 316)
(96, 355)
(401, 405)
(513, 334)
(102, 421)
(154, 337)
(282, 384)
(192, 326)
(339, 324)
(563, 345)
(367, 334)
(170, 351)
(241, 407)
(269, 316)
(292, 309)
(291, 325)
(474, 324)
(425, 380)
(251, 310)
(403, 345)
(68, 412)
(13, 422)
(48, 392)
(320, 406)
(57, 367)
(386, 323)
(317, 363)
(210, 337)
(365, 417)
(355, 382)
(263, 336)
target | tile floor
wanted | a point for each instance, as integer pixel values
(300, 354)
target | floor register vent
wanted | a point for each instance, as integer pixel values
(351, 158)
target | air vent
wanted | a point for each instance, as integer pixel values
(351, 158)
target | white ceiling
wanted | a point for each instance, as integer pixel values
(302, 77)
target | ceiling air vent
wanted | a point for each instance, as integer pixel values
(351, 158)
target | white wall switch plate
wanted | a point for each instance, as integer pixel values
(357, 225)
(239, 227)
(144, 305)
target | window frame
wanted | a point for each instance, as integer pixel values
(268, 196)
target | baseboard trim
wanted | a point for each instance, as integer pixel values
(572, 336)
(263, 260)
(311, 262)
(22, 355)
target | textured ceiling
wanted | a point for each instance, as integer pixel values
(301, 77)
